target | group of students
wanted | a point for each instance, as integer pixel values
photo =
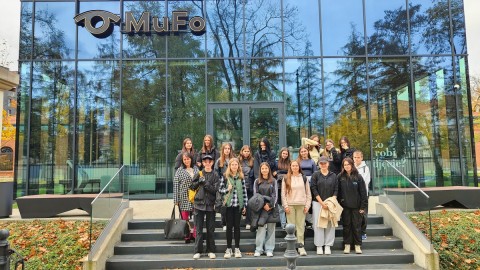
(317, 187)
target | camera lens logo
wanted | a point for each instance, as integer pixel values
(90, 20)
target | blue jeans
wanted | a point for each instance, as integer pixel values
(265, 238)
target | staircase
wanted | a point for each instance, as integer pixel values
(143, 246)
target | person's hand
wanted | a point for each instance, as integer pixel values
(201, 179)
(267, 207)
(324, 206)
(287, 210)
(345, 147)
(244, 211)
(229, 187)
(274, 173)
(361, 211)
(305, 210)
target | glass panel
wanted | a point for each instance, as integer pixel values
(263, 32)
(301, 28)
(435, 116)
(304, 100)
(98, 133)
(225, 33)
(186, 44)
(464, 116)
(186, 92)
(110, 199)
(144, 131)
(342, 35)
(392, 120)
(24, 97)
(458, 22)
(429, 27)
(51, 136)
(93, 47)
(54, 30)
(386, 27)
(346, 102)
(264, 80)
(264, 123)
(26, 31)
(228, 127)
(225, 80)
(144, 46)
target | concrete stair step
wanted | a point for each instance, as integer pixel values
(246, 245)
(159, 235)
(160, 224)
(158, 261)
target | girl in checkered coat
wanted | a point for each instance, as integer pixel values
(181, 183)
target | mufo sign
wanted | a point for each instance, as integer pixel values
(100, 23)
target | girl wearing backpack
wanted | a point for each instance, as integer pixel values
(296, 200)
(235, 198)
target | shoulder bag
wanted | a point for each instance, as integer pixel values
(176, 228)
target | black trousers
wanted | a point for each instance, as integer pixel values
(233, 217)
(352, 226)
(364, 221)
(200, 216)
(248, 218)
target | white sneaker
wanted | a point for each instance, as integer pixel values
(257, 254)
(327, 250)
(247, 227)
(228, 253)
(212, 255)
(224, 228)
(196, 256)
(238, 254)
(320, 251)
(347, 249)
(269, 254)
(302, 252)
(358, 250)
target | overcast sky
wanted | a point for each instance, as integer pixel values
(10, 24)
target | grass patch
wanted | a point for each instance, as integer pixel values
(456, 237)
(52, 244)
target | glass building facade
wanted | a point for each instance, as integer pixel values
(392, 76)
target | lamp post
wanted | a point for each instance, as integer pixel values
(298, 107)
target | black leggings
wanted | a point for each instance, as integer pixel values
(233, 217)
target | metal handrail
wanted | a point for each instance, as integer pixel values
(105, 187)
(406, 178)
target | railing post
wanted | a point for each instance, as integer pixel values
(4, 250)
(291, 252)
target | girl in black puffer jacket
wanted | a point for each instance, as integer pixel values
(352, 196)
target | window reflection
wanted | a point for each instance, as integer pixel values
(342, 35)
(26, 31)
(145, 46)
(263, 35)
(392, 126)
(186, 91)
(92, 47)
(186, 44)
(346, 101)
(387, 28)
(54, 30)
(264, 80)
(304, 100)
(225, 80)
(98, 115)
(430, 27)
(51, 125)
(458, 23)
(301, 28)
(144, 131)
(24, 97)
(225, 35)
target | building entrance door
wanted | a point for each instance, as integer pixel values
(246, 123)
